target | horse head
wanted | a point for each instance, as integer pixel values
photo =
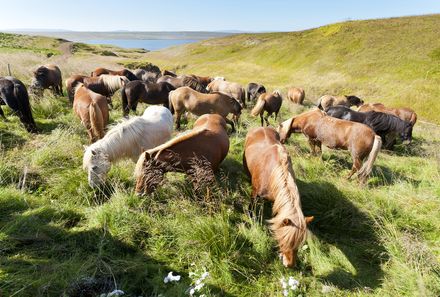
(406, 134)
(97, 164)
(36, 87)
(285, 129)
(354, 100)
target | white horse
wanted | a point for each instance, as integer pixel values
(127, 140)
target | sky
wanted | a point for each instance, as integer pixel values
(192, 15)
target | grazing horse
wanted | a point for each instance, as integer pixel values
(185, 98)
(207, 141)
(254, 91)
(231, 89)
(404, 113)
(71, 83)
(138, 91)
(127, 140)
(14, 94)
(123, 72)
(334, 133)
(296, 95)
(47, 77)
(105, 84)
(383, 124)
(268, 164)
(271, 103)
(183, 81)
(328, 100)
(147, 76)
(203, 80)
(92, 109)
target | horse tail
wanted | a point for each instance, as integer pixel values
(243, 97)
(319, 103)
(24, 108)
(125, 108)
(368, 165)
(170, 102)
(96, 120)
(258, 108)
(413, 119)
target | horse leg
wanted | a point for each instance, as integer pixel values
(261, 117)
(266, 118)
(61, 89)
(356, 166)
(177, 119)
(228, 121)
(312, 146)
(134, 106)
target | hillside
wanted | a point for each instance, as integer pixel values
(58, 237)
(394, 61)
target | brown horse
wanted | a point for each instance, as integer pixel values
(204, 80)
(334, 133)
(231, 89)
(71, 83)
(296, 95)
(404, 113)
(185, 98)
(271, 103)
(207, 141)
(183, 81)
(169, 73)
(92, 109)
(268, 164)
(328, 100)
(47, 77)
(123, 72)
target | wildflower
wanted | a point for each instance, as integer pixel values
(171, 278)
(115, 293)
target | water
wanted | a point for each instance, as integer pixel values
(148, 44)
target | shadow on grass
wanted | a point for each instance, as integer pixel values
(389, 177)
(9, 140)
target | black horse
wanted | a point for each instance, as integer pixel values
(385, 125)
(254, 90)
(14, 94)
(151, 93)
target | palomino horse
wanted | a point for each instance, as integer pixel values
(47, 77)
(123, 72)
(185, 98)
(231, 89)
(183, 81)
(138, 91)
(334, 133)
(271, 103)
(328, 100)
(268, 164)
(254, 91)
(127, 140)
(14, 94)
(296, 95)
(92, 109)
(404, 113)
(387, 126)
(207, 141)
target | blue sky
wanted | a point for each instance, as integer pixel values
(191, 15)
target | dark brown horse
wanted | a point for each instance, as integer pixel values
(138, 91)
(123, 72)
(334, 133)
(207, 141)
(183, 81)
(204, 80)
(268, 164)
(169, 73)
(47, 77)
(254, 90)
(147, 76)
(404, 113)
(271, 103)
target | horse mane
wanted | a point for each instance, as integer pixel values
(193, 83)
(386, 122)
(277, 92)
(287, 205)
(113, 82)
(77, 86)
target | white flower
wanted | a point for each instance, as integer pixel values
(205, 275)
(293, 282)
(191, 292)
(171, 278)
(115, 293)
(305, 247)
(199, 287)
(285, 293)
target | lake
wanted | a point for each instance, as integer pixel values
(148, 44)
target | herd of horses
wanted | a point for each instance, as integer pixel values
(147, 139)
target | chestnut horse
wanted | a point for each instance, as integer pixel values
(207, 141)
(185, 98)
(47, 77)
(92, 109)
(123, 72)
(71, 83)
(404, 113)
(328, 100)
(268, 164)
(296, 95)
(271, 103)
(203, 80)
(334, 133)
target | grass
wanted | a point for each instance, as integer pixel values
(59, 237)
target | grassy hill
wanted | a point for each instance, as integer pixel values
(394, 61)
(59, 237)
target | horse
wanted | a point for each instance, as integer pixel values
(71, 83)
(14, 94)
(404, 113)
(105, 84)
(231, 89)
(169, 73)
(146, 76)
(254, 90)
(268, 165)
(123, 72)
(334, 133)
(296, 95)
(92, 109)
(127, 140)
(383, 124)
(328, 100)
(138, 91)
(183, 81)
(203, 80)
(207, 141)
(185, 98)
(271, 103)
(47, 77)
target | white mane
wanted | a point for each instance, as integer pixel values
(113, 82)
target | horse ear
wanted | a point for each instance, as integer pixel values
(85, 147)
(287, 222)
(309, 219)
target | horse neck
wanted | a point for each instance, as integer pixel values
(110, 145)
